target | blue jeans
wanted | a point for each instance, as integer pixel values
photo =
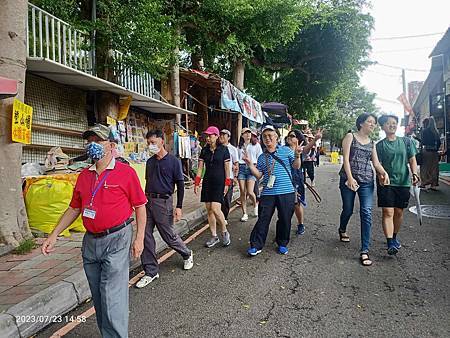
(365, 193)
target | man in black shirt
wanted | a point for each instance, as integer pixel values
(162, 172)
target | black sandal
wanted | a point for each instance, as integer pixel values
(365, 259)
(343, 237)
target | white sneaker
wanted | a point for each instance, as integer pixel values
(256, 211)
(189, 262)
(146, 280)
(244, 218)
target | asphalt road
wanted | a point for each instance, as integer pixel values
(318, 290)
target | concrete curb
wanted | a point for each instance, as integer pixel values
(50, 305)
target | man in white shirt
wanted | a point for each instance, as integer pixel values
(224, 139)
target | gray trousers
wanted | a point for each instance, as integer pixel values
(106, 262)
(160, 213)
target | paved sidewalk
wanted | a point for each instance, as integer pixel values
(22, 276)
(44, 286)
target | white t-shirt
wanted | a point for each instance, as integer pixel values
(234, 157)
(253, 151)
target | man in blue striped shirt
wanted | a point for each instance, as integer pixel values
(274, 166)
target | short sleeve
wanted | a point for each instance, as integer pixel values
(75, 203)
(290, 155)
(135, 193)
(379, 152)
(234, 155)
(226, 154)
(258, 150)
(412, 150)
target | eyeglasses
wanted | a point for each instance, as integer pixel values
(269, 136)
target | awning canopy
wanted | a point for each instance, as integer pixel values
(8, 88)
(277, 112)
(68, 76)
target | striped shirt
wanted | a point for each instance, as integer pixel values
(283, 183)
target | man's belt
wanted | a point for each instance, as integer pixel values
(156, 195)
(111, 230)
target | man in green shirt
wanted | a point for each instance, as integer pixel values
(395, 153)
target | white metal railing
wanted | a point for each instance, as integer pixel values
(54, 39)
(142, 83)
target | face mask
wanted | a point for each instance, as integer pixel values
(95, 151)
(153, 148)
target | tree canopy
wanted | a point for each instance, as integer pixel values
(310, 73)
(306, 54)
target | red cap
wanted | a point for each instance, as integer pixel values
(212, 131)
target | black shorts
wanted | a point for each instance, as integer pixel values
(392, 197)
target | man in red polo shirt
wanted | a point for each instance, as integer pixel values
(106, 194)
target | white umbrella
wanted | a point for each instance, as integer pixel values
(415, 191)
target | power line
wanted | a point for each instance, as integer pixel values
(386, 100)
(406, 36)
(380, 73)
(398, 67)
(401, 50)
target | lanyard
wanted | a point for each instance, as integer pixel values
(269, 170)
(99, 185)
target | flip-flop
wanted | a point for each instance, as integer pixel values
(365, 259)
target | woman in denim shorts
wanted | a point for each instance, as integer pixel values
(246, 180)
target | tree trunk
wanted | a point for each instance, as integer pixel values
(197, 61)
(238, 81)
(13, 217)
(175, 77)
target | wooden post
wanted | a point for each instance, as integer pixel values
(238, 81)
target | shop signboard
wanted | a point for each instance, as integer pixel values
(22, 117)
(129, 147)
(110, 121)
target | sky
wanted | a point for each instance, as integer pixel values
(400, 18)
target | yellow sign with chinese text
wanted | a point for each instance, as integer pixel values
(110, 121)
(22, 117)
(129, 147)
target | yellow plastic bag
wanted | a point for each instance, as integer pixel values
(46, 200)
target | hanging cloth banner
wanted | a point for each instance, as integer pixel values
(22, 117)
(235, 100)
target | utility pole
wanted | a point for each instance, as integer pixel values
(406, 117)
(444, 84)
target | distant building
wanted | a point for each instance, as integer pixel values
(434, 97)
